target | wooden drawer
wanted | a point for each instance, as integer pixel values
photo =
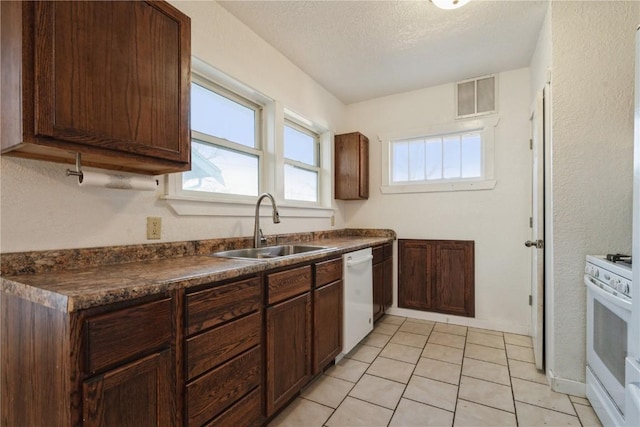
(211, 307)
(378, 254)
(214, 392)
(328, 272)
(388, 250)
(287, 284)
(245, 412)
(213, 347)
(120, 335)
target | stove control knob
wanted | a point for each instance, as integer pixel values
(627, 289)
(596, 272)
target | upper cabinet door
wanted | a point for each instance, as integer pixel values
(351, 166)
(113, 75)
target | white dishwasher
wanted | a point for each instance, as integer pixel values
(358, 297)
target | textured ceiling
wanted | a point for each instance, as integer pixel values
(359, 50)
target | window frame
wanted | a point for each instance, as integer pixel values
(486, 181)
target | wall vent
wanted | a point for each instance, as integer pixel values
(476, 97)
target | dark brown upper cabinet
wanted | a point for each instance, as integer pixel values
(351, 166)
(106, 79)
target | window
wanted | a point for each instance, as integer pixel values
(456, 156)
(245, 143)
(448, 158)
(225, 148)
(301, 163)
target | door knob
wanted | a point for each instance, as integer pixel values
(536, 244)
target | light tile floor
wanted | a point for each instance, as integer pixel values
(411, 372)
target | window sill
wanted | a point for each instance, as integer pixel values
(439, 187)
(183, 205)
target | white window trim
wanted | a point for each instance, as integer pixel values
(486, 182)
(310, 130)
(197, 203)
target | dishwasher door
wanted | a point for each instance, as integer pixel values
(358, 297)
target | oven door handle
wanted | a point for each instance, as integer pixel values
(606, 295)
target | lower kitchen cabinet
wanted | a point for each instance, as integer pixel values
(382, 270)
(105, 366)
(436, 275)
(139, 393)
(288, 350)
(328, 306)
(223, 354)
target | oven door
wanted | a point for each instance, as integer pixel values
(607, 320)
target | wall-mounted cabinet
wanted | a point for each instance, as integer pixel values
(109, 80)
(351, 166)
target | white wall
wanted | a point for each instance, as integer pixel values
(44, 209)
(497, 220)
(592, 148)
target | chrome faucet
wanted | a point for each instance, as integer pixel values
(258, 237)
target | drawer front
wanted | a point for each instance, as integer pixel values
(211, 307)
(288, 283)
(245, 412)
(378, 254)
(213, 347)
(328, 272)
(388, 251)
(212, 393)
(120, 335)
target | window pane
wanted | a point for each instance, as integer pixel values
(300, 184)
(471, 156)
(220, 170)
(434, 158)
(416, 160)
(486, 94)
(222, 117)
(466, 98)
(400, 153)
(300, 146)
(451, 157)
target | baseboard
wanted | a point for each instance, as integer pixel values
(563, 385)
(459, 320)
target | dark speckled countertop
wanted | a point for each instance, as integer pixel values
(71, 280)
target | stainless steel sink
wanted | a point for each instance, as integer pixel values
(268, 252)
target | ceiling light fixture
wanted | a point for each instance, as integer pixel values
(449, 4)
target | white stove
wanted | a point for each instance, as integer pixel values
(609, 304)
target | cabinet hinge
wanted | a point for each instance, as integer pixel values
(530, 222)
(531, 144)
(530, 300)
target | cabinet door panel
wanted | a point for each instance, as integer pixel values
(136, 394)
(288, 350)
(454, 278)
(414, 275)
(113, 75)
(327, 322)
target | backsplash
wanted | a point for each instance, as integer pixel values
(34, 262)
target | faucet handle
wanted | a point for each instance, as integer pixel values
(263, 239)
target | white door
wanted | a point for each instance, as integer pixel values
(537, 230)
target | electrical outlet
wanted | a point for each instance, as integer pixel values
(154, 227)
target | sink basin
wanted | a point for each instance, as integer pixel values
(268, 252)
